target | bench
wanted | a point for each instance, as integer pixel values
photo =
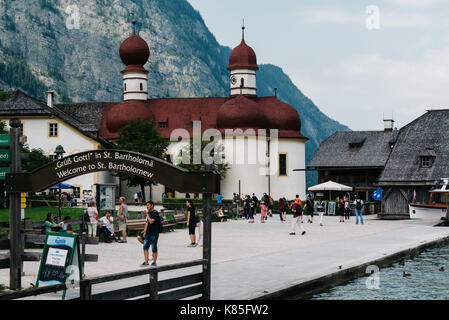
(167, 224)
(135, 224)
(180, 219)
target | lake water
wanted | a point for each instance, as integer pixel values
(426, 280)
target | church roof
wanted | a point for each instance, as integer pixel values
(243, 57)
(179, 113)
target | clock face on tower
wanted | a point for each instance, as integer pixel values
(233, 80)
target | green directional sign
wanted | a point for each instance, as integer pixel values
(3, 172)
(4, 139)
(5, 155)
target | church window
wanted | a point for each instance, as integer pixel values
(282, 164)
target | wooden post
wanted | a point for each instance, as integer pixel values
(83, 246)
(85, 290)
(15, 268)
(207, 244)
(154, 285)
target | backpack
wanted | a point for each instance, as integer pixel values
(358, 205)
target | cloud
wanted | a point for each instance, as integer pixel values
(330, 15)
(361, 88)
(415, 3)
(388, 18)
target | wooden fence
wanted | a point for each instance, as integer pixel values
(188, 286)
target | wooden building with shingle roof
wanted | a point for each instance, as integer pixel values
(405, 163)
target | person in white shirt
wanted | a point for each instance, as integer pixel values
(107, 226)
(358, 204)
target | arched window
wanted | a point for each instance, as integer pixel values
(125, 86)
(242, 82)
(141, 86)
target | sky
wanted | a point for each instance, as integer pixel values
(359, 61)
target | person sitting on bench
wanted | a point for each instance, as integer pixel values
(107, 227)
(65, 226)
(49, 225)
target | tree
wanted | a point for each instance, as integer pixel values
(220, 167)
(143, 137)
(3, 129)
(34, 158)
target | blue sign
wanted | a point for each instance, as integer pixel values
(377, 195)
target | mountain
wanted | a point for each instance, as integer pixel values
(40, 50)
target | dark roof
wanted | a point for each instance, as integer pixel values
(425, 136)
(354, 149)
(20, 104)
(89, 115)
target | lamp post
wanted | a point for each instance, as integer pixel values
(59, 151)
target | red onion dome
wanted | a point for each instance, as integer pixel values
(134, 51)
(124, 112)
(243, 57)
(282, 116)
(241, 113)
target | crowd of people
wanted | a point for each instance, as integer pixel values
(153, 221)
(297, 207)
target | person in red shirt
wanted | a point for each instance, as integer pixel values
(282, 209)
(297, 218)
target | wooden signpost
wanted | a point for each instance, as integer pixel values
(15, 238)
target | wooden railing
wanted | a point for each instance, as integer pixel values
(188, 286)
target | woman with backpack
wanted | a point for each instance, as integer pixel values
(358, 203)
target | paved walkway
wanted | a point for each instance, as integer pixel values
(250, 260)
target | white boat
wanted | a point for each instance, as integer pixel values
(436, 207)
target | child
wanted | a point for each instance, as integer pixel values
(65, 226)
(263, 212)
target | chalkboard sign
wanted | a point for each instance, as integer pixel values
(61, 255)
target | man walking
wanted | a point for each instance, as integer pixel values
(122, 218)
(358, 203)
(297, 219)
(150, 234)
(310, 206)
